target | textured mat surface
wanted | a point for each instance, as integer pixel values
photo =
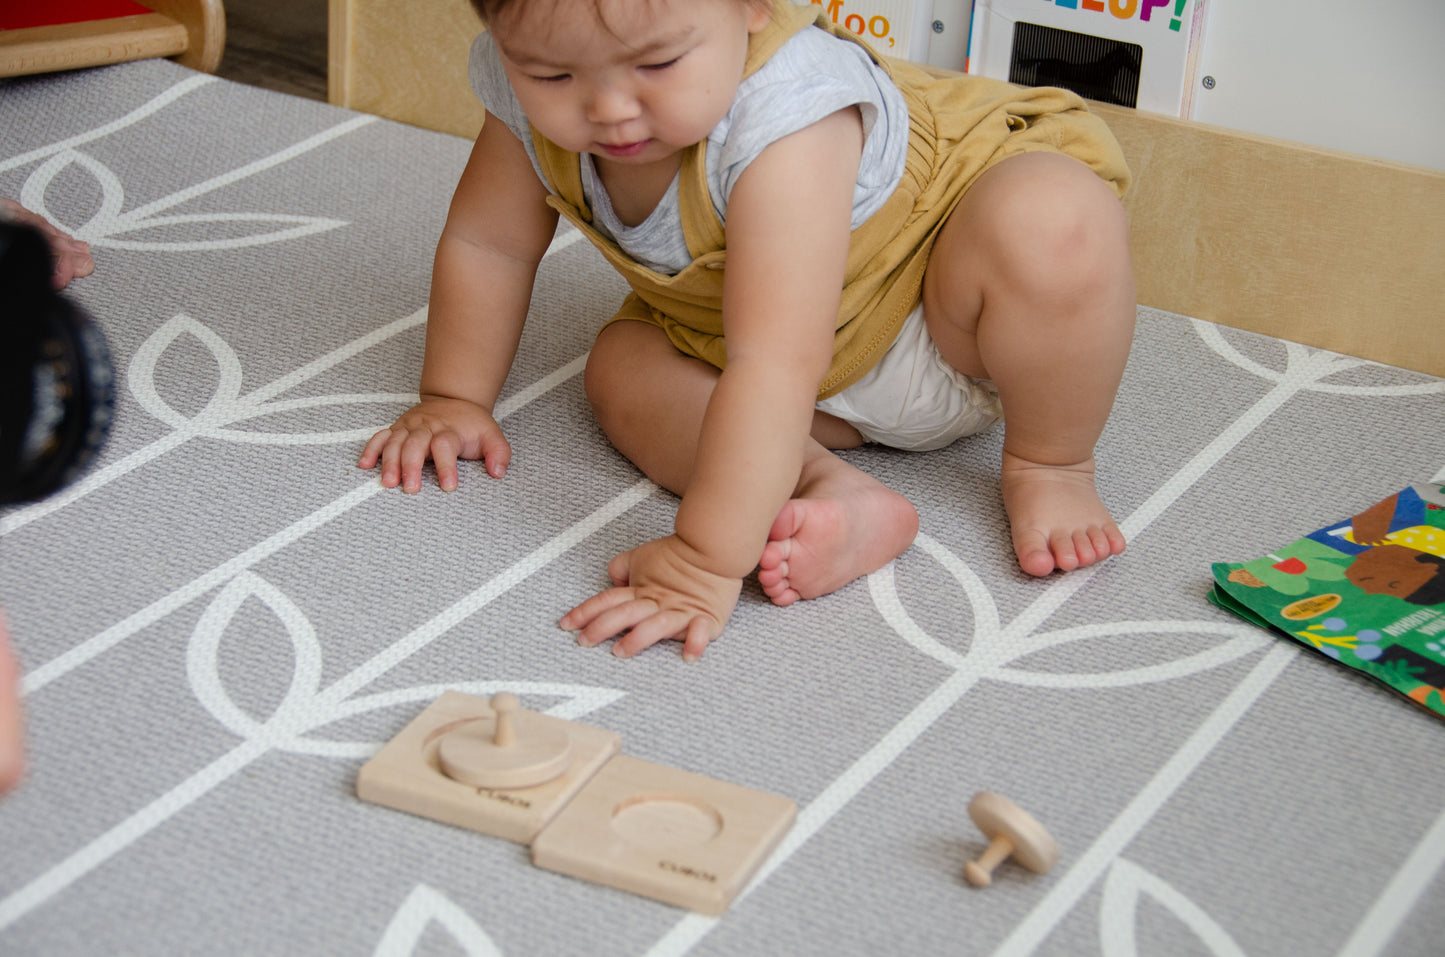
(226, 617)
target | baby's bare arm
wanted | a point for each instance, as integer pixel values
(788, 230)
(497, 231)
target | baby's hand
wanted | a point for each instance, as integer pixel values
(70, 258)
(662, 592)
(440, 429)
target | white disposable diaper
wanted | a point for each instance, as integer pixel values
(913, 399)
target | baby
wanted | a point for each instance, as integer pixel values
(825, 249)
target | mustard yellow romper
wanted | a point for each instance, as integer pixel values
(959, 127)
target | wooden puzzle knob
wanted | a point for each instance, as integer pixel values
(514, 748)
(504, 703)
(1010, 832)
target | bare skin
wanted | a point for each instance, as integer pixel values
(1030, 285)
(12, 730)
(840, 524)
(70, 257)
(1052, 330)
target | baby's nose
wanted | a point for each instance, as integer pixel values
(612, 104)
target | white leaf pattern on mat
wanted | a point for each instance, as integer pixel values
(423, 907)
(305, 707)
(1316, 364)
(110, 223)
(227, 406)
(156, 103)
(1118, 913)
(112, 194)
(1242, 640)
(994, 655)
(294, 713)
(995, 649)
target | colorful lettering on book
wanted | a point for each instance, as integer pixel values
(1127, 9)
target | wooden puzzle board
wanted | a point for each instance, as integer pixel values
(407, 775)
(672, 835)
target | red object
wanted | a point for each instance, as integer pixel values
(19, 14)
(1290, 566)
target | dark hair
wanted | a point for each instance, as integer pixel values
(488, 10)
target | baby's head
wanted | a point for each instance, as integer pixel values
(491, 11)
(630, 81)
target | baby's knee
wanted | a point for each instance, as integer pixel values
(610, 372)
(1056, 224)
(599, 376)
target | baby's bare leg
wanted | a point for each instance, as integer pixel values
(1030, 285)
(841, 524)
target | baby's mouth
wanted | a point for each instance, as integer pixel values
(622, 150)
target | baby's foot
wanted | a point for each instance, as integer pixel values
(1057, 518)
(841, 527)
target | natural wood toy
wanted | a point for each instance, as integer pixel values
(668, 834)
(489, 753)
(408, 773)
(1010, 831)
(587, 811)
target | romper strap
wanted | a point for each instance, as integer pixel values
(701, 227)
(563, 170)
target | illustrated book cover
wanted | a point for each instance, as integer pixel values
(1368, 591)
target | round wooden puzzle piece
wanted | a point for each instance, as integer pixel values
(513, 749)
(1011, 831)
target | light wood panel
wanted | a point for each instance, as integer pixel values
(1326, 248)
(406, 60)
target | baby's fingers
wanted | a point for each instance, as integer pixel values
(372, 453)
(444, 456)
(72, 261)
(700, 633)
(415, 449)
(695, 633)
(606, 610)
(496, 453)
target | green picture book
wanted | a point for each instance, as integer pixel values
(1368, 591)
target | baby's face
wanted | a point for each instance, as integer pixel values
(630, 81)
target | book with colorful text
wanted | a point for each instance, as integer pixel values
(1368, 591)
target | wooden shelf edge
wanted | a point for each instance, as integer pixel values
(70, 46)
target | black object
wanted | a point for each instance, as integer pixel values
(1094, 67)
(56, 382)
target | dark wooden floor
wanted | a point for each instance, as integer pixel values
(277, 44)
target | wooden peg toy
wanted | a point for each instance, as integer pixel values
(1011, 831)
(586, 810)
(509, 751)
(408, 773)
